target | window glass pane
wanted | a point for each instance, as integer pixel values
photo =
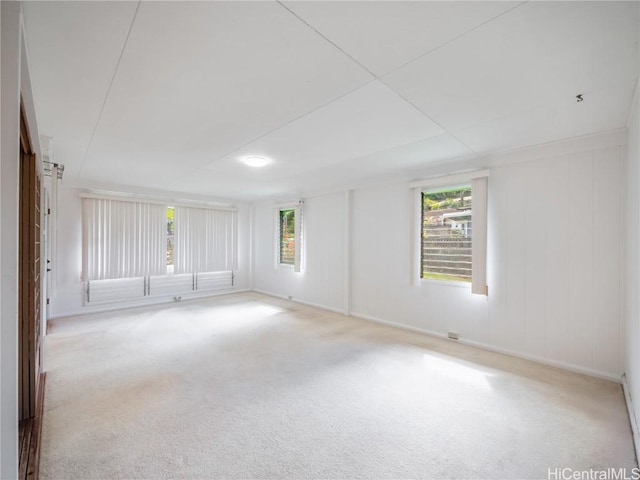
(287, 237)
(171, 216)
(446, 235)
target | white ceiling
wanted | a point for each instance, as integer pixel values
(170, 95)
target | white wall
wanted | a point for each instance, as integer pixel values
(632, 325)
(381, 280)
(9, 174)
(69, 298)
(321, 281)
(15, 83)
(554, 262)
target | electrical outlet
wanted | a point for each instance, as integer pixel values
(453, 335)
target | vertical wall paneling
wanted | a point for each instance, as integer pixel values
(557, 204)
(323, 277)
(516, 265)
(347, 252)
(553, 261)
(581, 228)
(606, 243)
(498, 248)
(631, 258)
(536, 213)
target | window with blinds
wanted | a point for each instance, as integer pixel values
(205, 240)
(122, 238)
(131, 248)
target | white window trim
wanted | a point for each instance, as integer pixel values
(479, 192)
(436, 183)
(298, 227)
(478, 283)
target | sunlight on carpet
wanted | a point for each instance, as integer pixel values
(249, 386)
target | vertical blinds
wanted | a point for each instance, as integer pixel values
(205, 240)
(122, 239)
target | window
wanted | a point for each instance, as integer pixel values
(447, 234)
(288, 218)
(206, 239)
(171, 231)
(132, 247)
(451, 230)
(122, 238)
(287, 237)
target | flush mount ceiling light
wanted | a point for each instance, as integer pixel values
(255, 161)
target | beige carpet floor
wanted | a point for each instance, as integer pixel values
(248, 386)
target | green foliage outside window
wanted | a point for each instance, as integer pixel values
(287, 237)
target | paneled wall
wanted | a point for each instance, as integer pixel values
(555, 262)
(556, 259)
(322, 280)
(632, 325)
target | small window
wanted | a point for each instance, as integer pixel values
(287, 237)
(171, 226)
(447, 232)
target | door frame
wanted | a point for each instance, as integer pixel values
(29, 275)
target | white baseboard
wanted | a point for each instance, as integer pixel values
(89, 310)
(302, 302)
(632, 416)
(503, 351)
(471, 343)
(551, 363)
(399, 325)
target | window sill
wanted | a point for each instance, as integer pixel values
(448, 283)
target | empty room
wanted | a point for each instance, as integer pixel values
(319, 239)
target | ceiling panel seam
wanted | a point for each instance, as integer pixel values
(327, 39)
(419, 110)
(266, 134)
(387, 149)
(106, 97)
(458, 37)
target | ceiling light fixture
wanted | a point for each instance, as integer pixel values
(255, 161)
